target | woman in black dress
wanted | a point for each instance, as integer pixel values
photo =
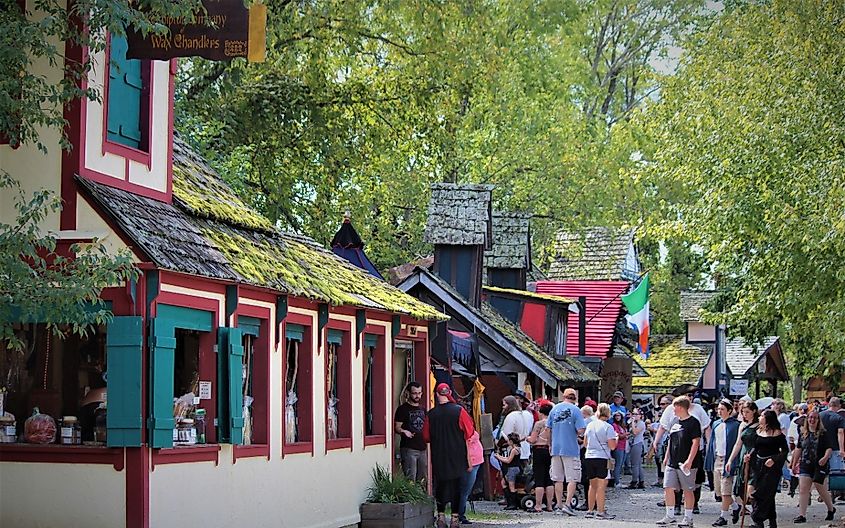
(767, 460)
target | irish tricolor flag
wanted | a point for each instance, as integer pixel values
(636, 302)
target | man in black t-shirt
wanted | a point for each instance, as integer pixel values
(834, 425)
(682, 461)
(408, 424)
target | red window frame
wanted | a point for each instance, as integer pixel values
(344, 381)
(305, 379)
(260, 387)
(379, 433)
(140, 155)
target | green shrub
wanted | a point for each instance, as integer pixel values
(394, 489)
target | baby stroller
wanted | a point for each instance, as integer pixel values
(525, 491)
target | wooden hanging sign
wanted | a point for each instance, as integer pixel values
(226, 30)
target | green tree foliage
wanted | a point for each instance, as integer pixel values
(361, 105)
(749, 138)
(39, 284)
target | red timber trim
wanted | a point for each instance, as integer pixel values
(55, 454)
(308, 322)
(74, 114)
(138, 487)
(181, 455)
(379, 404)
(129, 153)
(346, 353)
(195, 282)
(261, 380)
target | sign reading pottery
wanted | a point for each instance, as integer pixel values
(226, 30)
(616, 375)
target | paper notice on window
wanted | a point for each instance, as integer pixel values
(205, 390)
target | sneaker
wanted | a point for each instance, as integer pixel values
(589, 515)
(666, 520)
(582, 507)
(735, 515)
(677, 511)
(604, 515)
(658, 484)
(695, 510)
(661, 504)
(568, 510)
(830, 515)
(800, 519)
(686, 523)
(721, 521)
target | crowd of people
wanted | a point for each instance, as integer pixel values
(744, 454)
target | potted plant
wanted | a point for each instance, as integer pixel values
(393, 501)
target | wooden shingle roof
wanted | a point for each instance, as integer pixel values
(741, 357)
(597, 253)
(692, 301)
(460, 214)
(511, 246)
(209, 232)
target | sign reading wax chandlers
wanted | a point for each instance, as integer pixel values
(226, 30)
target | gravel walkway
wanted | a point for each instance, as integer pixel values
(639, 508)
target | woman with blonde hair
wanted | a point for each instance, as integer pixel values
(600, 439)
(810, 462)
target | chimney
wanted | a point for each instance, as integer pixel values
(460, 227)
(508, 260)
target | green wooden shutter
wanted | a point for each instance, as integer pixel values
(294, 332)
(249, 325)
(230, 398)
(162, 364)
(124, 355)
(370, 340)
(124, 97)
(235, 354)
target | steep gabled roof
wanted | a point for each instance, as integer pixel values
(508, 337)
(598, 253)
(741, 357)
(460, 214)
(397, 274)
(511, 246)
(209, 232)
(692, 301)
(528, 296)
(672, 363)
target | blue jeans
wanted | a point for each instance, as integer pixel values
(467, 481)
(635, 455)
(619, 457)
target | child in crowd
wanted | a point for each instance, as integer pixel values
(509, 456)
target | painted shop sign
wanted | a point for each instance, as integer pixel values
(227, 30)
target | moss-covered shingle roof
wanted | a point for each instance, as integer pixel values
(598, 253)
(672, 363)
(208, 231)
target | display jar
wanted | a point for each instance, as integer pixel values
(199, 425)
(100, 429)
(71, 433)
(8, 430)
(185, 432)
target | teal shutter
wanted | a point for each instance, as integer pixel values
(230, 398)
(162, 362)
(249, 325)
(294, 332)
(370, 340)
(124, 355)
(335, 337)
(235, 354)
(124, 97)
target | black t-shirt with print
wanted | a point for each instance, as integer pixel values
(412, 419)
(681, 436)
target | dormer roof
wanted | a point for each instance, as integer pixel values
(597, 253)
(692, 301)
(511, 246)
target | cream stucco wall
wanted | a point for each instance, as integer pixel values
(697, 332)
(297, 490)
(35, 495)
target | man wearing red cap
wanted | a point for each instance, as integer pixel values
(447, 428)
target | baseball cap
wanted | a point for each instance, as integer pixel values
(444, 390)
(618, 394)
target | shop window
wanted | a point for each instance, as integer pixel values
(182, 374)
(60, 377)
(374, 386)
(127, 101)
(298, 385)
(338, 389)
(254, 368)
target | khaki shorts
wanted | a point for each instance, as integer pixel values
(723, 482)
(677, 480)
(566, 468)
